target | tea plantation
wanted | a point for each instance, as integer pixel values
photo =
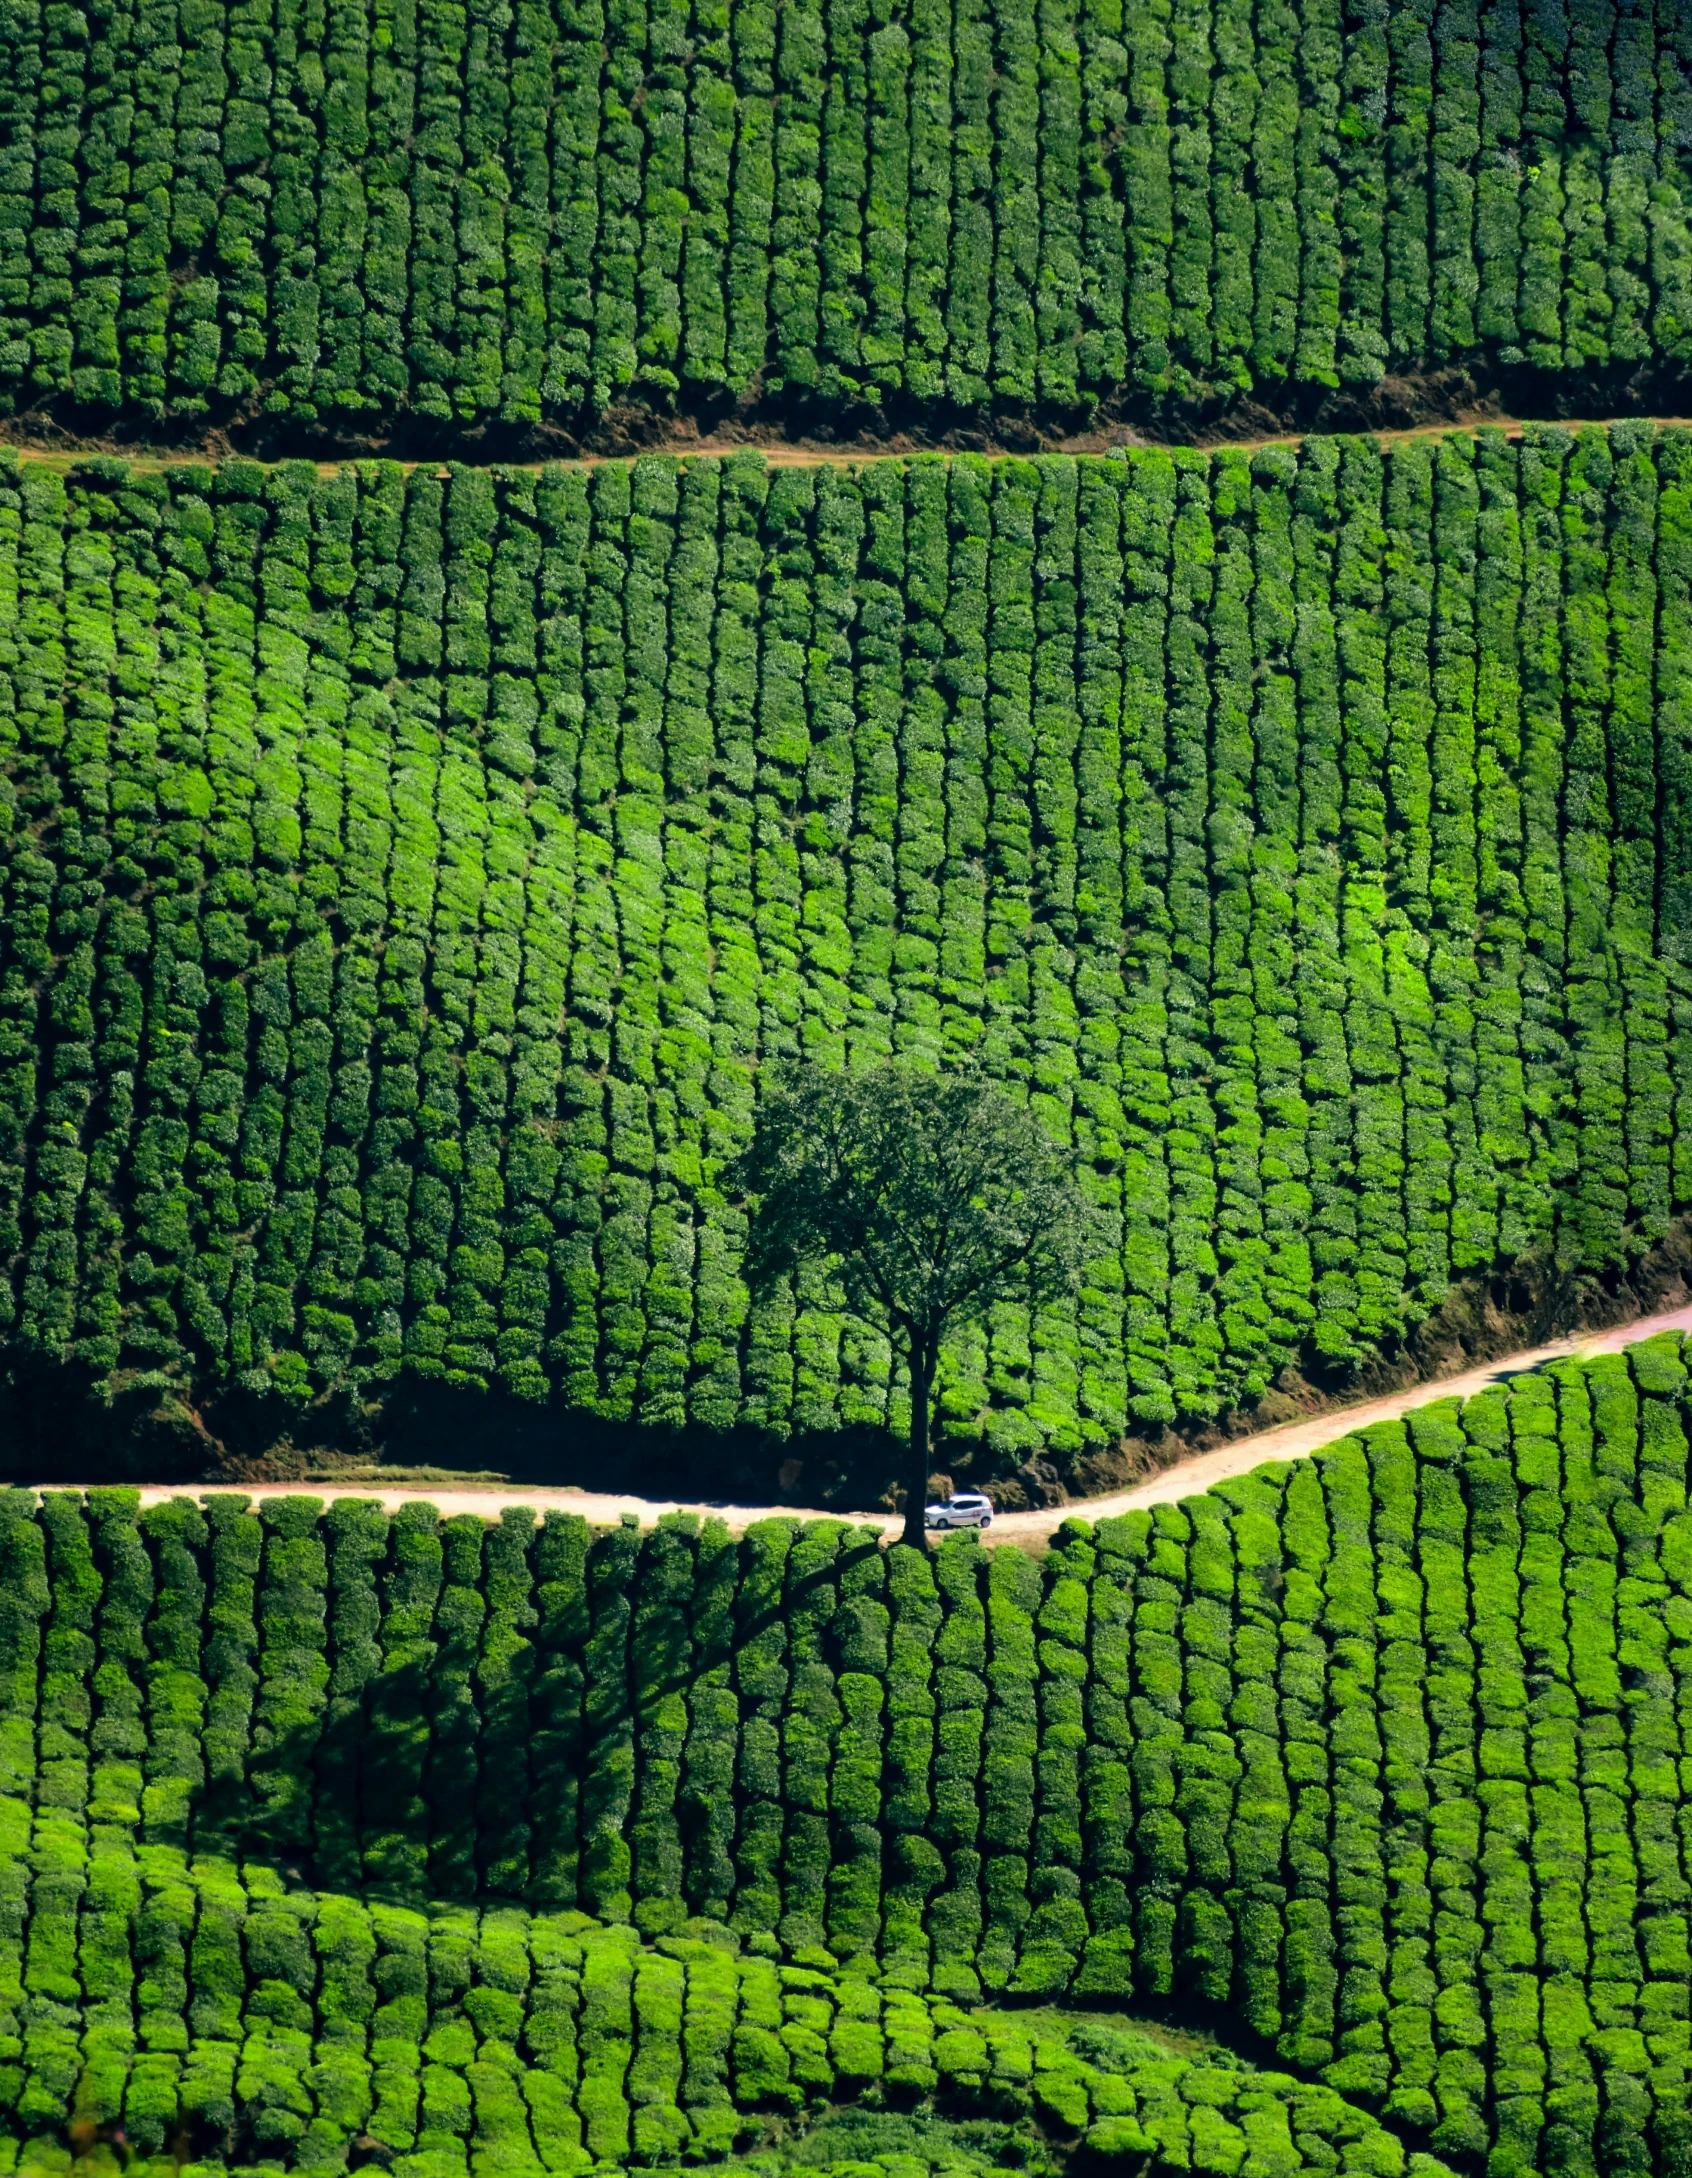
(550, 1849)
(493, 2041)
(409, 877)
(373, 211)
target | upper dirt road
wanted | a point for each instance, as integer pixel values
(810, 453)
(1289, 1442)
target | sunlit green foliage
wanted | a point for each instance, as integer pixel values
(1376, 1757)
(459, 2041)
(407, 875)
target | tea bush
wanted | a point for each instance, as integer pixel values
(1375, 1758)
(408, 877)
(339, 215)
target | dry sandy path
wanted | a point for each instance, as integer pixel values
(1291, 1441)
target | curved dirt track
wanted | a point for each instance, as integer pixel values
(1291, 1441)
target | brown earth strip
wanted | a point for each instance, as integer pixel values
(789, 454)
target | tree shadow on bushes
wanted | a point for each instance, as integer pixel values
(382, 1794)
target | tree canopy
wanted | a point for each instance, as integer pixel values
(925, 1197)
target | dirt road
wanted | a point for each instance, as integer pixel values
(852, 453)
(1293, 1440)
(1289, 1442)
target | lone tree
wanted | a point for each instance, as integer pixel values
(927, 1197)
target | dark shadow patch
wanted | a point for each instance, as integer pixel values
(801, 420)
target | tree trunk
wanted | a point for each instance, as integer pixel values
(916, 1498)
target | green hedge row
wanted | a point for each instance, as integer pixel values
(337, 214)
(1381, 1753)
(407, 875)
(277, 2029)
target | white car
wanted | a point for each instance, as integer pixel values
(964, 1511)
